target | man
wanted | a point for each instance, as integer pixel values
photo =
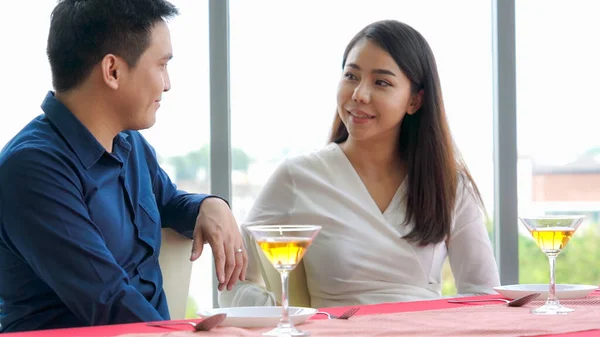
(82, 197)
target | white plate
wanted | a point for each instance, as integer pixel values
(258, 317)
(563, 291)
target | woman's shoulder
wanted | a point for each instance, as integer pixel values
(322, 157)
(465, 185)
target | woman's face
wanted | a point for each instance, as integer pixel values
(374, 94)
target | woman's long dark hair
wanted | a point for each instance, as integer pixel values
(425, 142)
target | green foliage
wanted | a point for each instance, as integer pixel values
(188, 165)
(448, 284)
(191, 308)
(577, 264)
(240, 160)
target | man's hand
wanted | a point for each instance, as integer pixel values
(216, 226)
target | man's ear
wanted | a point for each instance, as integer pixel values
(112, 68)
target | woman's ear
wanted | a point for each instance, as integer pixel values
(416, 101)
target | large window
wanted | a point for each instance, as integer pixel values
(285, 69)
(559, 153)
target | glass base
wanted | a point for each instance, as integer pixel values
(285, 331)
(552, 308)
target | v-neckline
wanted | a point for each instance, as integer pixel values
(393, 202)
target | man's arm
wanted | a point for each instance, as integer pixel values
(45, 220)
(178, 209)
(203, 218)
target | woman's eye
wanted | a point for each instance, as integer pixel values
(382, 83)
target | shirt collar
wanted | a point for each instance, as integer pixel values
(78, 137)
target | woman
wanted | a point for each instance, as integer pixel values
(393, 196)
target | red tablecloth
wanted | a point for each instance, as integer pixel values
(115, 330)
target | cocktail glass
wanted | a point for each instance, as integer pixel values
(284, 246)
(552, 234)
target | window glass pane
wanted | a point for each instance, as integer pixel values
(27, 72)
(181, 135)
(559, 152)
(285, 71)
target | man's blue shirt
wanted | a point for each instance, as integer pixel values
(80, 228)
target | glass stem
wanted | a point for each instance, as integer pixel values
(552, 293)
(285, 320)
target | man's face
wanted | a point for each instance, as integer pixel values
(143, 85)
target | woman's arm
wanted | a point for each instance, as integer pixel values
(469, 247)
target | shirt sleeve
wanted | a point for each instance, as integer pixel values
(178, 209)
(469, 247)
(45, 220)
(274, 204)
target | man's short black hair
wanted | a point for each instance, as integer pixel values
(82, 32)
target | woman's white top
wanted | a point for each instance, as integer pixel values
(360, 256)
